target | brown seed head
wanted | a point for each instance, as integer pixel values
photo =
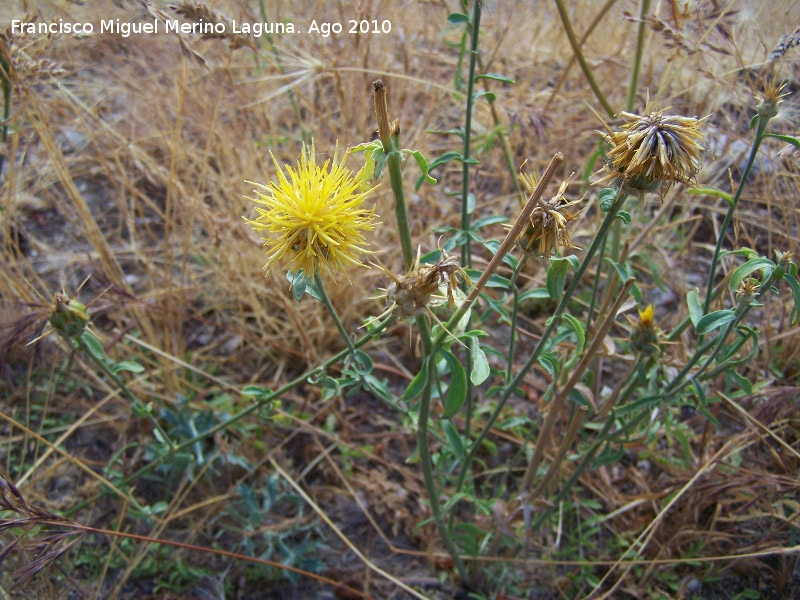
(653, 151)
(548, 222)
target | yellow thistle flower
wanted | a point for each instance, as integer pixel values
(313, 215)
(645, 337)
(547, 228)
(652, 151)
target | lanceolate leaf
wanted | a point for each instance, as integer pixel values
(713, 320)
(457, 392)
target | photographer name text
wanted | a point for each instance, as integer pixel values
(128, 28)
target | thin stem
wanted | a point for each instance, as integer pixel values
(761, 128)
(427, 472)
(644, 7)
(514, 311)
(576, 49)
(135, 402)
(595, 285)
(505, 246)
(388, 139)
(466, 254)
(332, 311)
(577, 373)
(466, 246)
(615, 207)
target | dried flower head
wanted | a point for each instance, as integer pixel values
(653, 151)
(313, 215)
(413, 294)
(548, 222)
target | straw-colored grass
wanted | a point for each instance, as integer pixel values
(126, 159)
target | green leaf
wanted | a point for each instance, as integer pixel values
(556, 277)
(609, 455)
(456, 18)
(625, 216)
(490, 96)
(457, 391)
(713, 320)
(607, 197)
(754, 121)
(743, 271)
(486, 221)
(742, 381)
(255, 392)
(793, 283)
(703, 190)
(580, 334)
(537, 293)
(456, 445)
(785, 138)
(93, 346)
(417, 384)
(128, 365)
(423, 165)
(695, 306)
(480, 366)
(448, 156)
(362, 363)
(495, 77)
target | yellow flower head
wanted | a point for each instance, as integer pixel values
(645, 336)
(313, 215)
(654, 150)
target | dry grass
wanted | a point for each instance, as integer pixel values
(125, 159)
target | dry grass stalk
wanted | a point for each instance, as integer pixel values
(52, 535)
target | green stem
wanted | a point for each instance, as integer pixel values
(334, 315)
(576, 49)
(514, 312)
(644, 7)
(595, 286)
(466, 254)
(761, 128)
(135, 402)
(427, 471)
(389, 142)
(552, 324)
(257, 405)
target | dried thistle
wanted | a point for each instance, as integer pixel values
(548, 221)
(653, 151)
(414, 293)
